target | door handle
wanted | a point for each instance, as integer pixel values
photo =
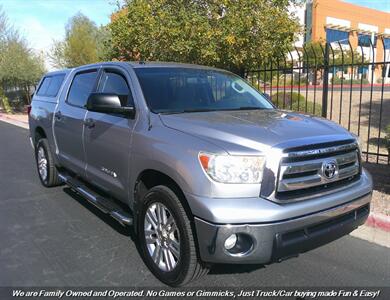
(58, 115)
(90, 123)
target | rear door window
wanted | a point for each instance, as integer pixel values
(55, 84)
(82, 86)
(44, 86)
(51, 85)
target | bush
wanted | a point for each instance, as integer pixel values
(289, 82)
(5, 103)
(285, 101)
(338, 80)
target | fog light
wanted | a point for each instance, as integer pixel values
(231, 242)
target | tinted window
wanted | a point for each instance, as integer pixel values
(114, 83)
(334, 35)
(55, 84)
(170, 90)
(82, 86)
(364, 40)
(386, 41)
(44, 86)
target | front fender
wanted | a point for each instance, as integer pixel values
(172, 153)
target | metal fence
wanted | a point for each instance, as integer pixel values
(348, 85)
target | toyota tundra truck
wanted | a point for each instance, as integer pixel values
(198, 163)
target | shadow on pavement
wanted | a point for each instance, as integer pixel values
(380, 174)
(126, 231)
(234, 269)
(378, 112)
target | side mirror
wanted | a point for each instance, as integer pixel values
(267, 96)
(108, 103)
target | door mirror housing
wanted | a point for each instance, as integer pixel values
(108, 103)
(267, 96)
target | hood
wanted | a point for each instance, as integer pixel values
(256, 130)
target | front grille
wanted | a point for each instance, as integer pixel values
(306, 171)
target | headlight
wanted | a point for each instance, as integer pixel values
(233, 169)
(359, 142)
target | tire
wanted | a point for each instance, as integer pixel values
(44, 160)
(188, 265)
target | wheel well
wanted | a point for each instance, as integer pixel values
(39, 133)
(151, 178)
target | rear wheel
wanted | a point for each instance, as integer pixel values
(167, 241)
(47, 170)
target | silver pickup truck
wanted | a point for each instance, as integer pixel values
(198, 163)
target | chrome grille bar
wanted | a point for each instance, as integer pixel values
(326, 150)
(308, 173)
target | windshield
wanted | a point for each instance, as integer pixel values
(178, 90)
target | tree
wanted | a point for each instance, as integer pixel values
(233, 34)
(315, 52)
(104, 43)
(84, 43)
(340, 58)
(20, 67)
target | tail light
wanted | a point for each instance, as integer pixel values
(28, 109)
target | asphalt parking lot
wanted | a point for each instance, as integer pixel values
(52, 237)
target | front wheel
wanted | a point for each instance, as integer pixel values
(167, 241)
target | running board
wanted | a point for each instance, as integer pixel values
(106, 205)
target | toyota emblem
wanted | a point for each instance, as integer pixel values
(330, 169)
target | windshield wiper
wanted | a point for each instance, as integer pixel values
(188, 111)
(224, 109)
(212, 109)
(250, 108)
(198, 110)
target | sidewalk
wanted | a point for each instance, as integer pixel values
(20, 120)
(377, 227)
(379, 218)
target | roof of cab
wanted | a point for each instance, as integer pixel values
(143, 64)
(57, 72)
(157, 64)
(137, 65)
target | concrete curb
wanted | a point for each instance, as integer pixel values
(379, 221)
(14, 121)
(372, 235)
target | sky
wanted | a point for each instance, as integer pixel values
(42, 21)
(376, 4)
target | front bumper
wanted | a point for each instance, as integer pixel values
(275, 241)
(258, 210)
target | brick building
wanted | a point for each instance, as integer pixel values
(366, 30)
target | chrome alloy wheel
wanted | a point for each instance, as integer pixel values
(42, 163)
(162, 236)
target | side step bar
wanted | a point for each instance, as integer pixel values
(106, 205)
